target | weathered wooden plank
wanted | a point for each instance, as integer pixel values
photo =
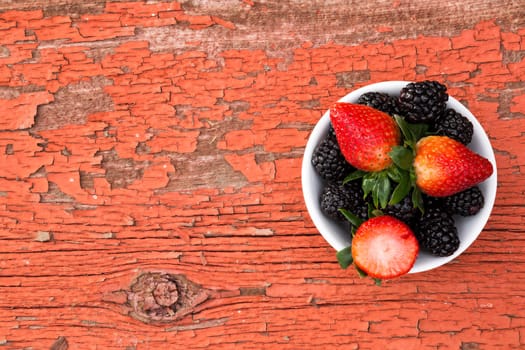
(165, 138)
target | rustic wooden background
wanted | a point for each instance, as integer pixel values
(150, 157)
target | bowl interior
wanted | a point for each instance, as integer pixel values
(337, 234)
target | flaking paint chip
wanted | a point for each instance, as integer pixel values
(44, 236)
(109, 235)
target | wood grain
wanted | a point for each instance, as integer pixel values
(159, 144)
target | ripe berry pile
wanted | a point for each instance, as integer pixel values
(397, 156)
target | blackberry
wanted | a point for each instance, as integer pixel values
(423, 102)
(465, 203)
(357, 205)
(433, 203)
(328, 160)
(349, 196)
(380, 101)
(334, 197)
(454, 125)
(437, 233)
(404, 211)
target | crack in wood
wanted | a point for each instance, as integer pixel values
(245, 291)
(60, 344)
(469, 346)
(199, 325)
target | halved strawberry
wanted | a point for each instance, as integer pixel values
(365, 135)
(384, 247)
(444, 166)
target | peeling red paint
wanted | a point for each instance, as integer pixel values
(134, 153)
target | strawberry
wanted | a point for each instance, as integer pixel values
(384, 247)
(365, 135)
(444, 166)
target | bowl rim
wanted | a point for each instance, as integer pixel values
(424, 262)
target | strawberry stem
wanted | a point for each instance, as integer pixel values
(382, 190)
(361, 273)
(417, 199)
(402, 157)
(378, 185)
(411, 132)
(354, 220)
(344, 257)
(402, 189)
(354, 176)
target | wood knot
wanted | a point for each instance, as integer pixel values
(157, 297)
(166, 293)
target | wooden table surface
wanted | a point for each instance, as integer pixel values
(150, 193)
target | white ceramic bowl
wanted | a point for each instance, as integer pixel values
(336, 234)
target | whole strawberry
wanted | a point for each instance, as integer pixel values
(384, 247)
(444, 166)
(365, 135)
